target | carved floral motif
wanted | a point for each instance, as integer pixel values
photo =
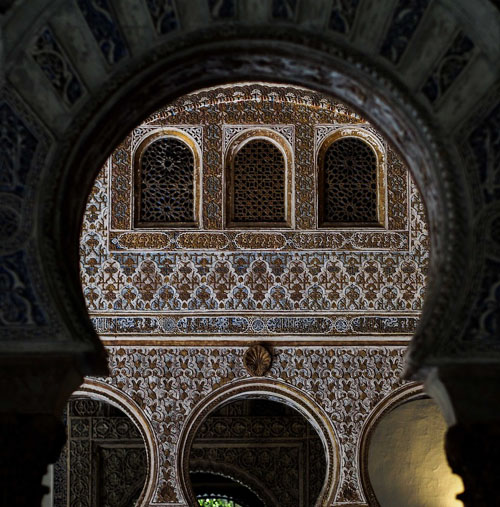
(405, 20)
(105, 28)
(164, 15)
(449, 67)
(167, 383)
(188, 273)
(343, 15)
(55, 64)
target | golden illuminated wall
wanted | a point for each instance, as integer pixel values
(406, 461)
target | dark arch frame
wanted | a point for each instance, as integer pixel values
(294, 57)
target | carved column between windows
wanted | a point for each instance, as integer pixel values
(31, 431)
(469, 398)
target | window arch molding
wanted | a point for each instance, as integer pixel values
(138, 153)
(232, 150)
(236, 474)
(380, 152)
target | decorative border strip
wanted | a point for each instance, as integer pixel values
(257, 240)
(188, 326)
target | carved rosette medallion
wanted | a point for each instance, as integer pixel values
(257, 360)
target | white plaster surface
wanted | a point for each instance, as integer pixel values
(48, 480)
(406, 462)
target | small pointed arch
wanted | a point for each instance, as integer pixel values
(167, 167)
(259, 182)
(351, 166)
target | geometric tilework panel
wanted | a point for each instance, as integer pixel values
(301, 281)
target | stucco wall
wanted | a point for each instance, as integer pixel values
(406, 462)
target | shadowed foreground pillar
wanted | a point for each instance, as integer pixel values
(33, 393)
(469, 396)
(29, 443)
(473, 452)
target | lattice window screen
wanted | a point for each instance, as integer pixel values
(166, 188)
(258, 181)
(348, 183)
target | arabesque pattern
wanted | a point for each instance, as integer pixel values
(212, 281)
(172, 381)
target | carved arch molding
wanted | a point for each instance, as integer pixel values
(267, 389)
(96, 390)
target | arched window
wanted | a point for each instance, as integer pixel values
(166, 185)
(350, 183)
(258, 182)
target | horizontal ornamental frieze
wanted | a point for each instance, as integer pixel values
(202, 241)
(225, 325)
(252, 240)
